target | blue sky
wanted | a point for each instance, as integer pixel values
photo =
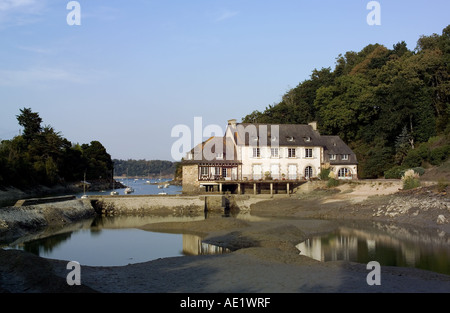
(135, 69)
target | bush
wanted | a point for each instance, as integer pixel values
(419, 170)
(439, 155)
(410, 180)
(442, 185)
(324, 174)
(413, 159)
(395, 172)
(332, 182)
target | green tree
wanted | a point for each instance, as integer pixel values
(31, 123)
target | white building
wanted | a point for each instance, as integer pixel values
(266, 152)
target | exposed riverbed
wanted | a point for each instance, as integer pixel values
(265, 257)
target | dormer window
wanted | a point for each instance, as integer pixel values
(332, 157)
(290, 138)
(344, 157)
(307, 139)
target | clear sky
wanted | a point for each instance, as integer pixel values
(135, 69)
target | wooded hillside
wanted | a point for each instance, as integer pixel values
(391, 106)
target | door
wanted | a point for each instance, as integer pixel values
(292, 171)
(257, 171)
(275, 171)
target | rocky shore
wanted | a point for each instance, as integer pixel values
(265, 258)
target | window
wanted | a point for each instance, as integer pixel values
(275, 171)
(344, 157)
(344, 172)
(274, 152)
(308, 172)
(291, 153)
(308, 153)
(217, 170)
(256, 152)
(292, 171)
(257, 171)
(332, 157)
(307, 139)
(204, 171)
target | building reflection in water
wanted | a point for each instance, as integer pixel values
(194, 245)
(360, 246)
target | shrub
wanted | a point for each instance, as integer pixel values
(332, 182)
(410, 180)
(324, 174)
(395, 172)
(413, 159)
(442, 185)
(439, 155)
(419, 170)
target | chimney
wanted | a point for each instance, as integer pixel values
(313, 125)
(232, 123)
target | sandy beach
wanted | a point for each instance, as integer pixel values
(264, 257)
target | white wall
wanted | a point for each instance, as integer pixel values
(268, 163)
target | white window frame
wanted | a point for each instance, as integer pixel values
(344, 172)
(308, 155)
(290, 154)
(310, 172)
(256, 153)
(332, 157)
(202, 171)
(345, 157)
(274, 153)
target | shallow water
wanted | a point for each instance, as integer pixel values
(115, 241)
(388, 245)
(140, 186)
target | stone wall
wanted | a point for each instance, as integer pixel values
(190, 179)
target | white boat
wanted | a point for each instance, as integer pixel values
(84, 196)
(114, 192)
(129, 190)
(162, 193)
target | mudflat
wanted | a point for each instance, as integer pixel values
(264, 257)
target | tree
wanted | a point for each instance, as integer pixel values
(31, 123)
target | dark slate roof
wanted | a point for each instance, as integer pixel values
(286, 135)
(335, 145)
(211, 145)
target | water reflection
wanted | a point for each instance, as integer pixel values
(390, 248)
(104, 243)
(194, 245)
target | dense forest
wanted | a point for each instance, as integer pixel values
(144, 168)
(41, 156)
(391, 106)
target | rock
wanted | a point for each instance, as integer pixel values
(441, 220)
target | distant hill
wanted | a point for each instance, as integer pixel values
(144, 168)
